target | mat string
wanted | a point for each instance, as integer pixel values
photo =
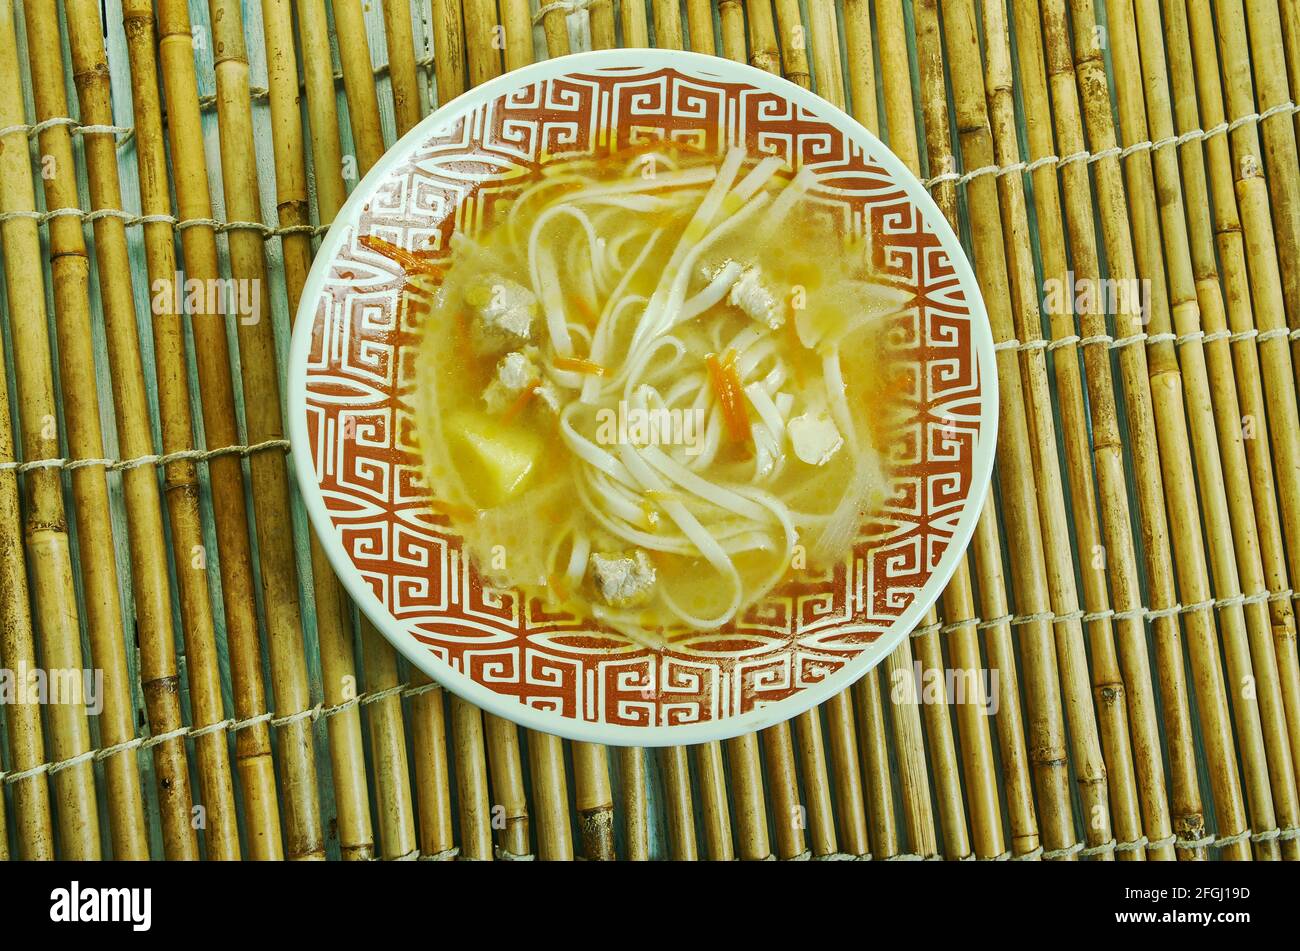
(1191, 135)
(118, 465)
(269, 231)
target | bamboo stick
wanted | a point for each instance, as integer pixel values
(517, 21)
(601, 16)
(731, 18)
(1234, 544)
(322, 108)
(817, 790)
(333, 616)
(1263, 28)
(181, 485)
(555, 25)
(302, 820)
(794, 47)
(668, 24)
(636, 32)
(789, 815)
(399, 36)
(595, 801)
(763, 52)
(471, 781)
(715, 811)
(70, 276)
(429, 738)
(938, 734)
(828, 73)
(914, 776)
(1291, 36)
(199, 252)
(505, 768)
(677, 791)
(550, 794)
(747, 794)
(1107, 681)
(448, 49)
(149, 571)
(850, 812)
(388, 746)
(1224, 234)
(480, 30)
(632, 803)
(33, 833)
(1156, 415)
(1129, 685)
(44, 525)
(358, 84)
(861, 60)
(873, 750)
(699, 25)
(31, 795)
(339, 685)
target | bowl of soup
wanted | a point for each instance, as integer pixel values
(642, 397)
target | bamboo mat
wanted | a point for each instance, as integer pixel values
(1129, 582)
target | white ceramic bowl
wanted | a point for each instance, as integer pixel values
(352, 430)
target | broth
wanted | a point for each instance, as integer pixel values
(655, 386)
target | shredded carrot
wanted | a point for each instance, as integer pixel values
(731, 395)
(412, 262)
(585, 310)
(517, 407)
(579, 365)
(556, 584)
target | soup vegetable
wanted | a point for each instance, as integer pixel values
(655, 386)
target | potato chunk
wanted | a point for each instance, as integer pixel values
(495, 458)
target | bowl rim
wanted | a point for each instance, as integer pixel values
(547, 721)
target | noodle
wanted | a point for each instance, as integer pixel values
(650, 424)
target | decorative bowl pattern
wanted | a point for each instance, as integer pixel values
(351, 403)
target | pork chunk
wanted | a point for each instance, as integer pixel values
(515, 372)
(504, 311)
(756, 299)
(623, 579)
